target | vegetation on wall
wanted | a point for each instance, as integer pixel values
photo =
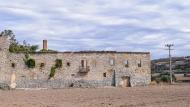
(49, 50)
(14, 44)
(29, 62)
(52, 72)
(58, 64)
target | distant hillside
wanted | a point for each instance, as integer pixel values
(179, 64)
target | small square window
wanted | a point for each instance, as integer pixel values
(13, 65)
(104, 74)
(68, 64)
(42, 65)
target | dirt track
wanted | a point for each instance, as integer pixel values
(151, 96)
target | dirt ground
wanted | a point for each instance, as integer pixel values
(149, 96)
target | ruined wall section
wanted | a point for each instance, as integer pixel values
(101, 73)
(99, 64)
(4, 66)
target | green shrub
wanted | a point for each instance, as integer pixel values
(58, 63)
(15, 47)
(164, 73)
(31, 63)
(52, 73)
(168, 74)
(49, 50)
(165, 78)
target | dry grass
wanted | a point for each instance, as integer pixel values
(150, 96)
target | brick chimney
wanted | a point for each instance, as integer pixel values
(45, 45)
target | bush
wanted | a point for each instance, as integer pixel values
(168, 74)
(31, 63)
(52, 73)
(49, 50)
(15, 47)
(164, 73)
(58, 63)
(165, 78)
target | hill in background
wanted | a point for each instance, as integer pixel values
(179, 64)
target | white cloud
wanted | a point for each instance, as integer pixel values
(125, 25)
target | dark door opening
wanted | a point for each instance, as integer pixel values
(126, 81)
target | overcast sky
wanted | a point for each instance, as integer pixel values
(121, 25)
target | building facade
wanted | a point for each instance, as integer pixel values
(79, 69)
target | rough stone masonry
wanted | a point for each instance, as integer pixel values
(79, 69)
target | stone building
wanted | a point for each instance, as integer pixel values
(79, 69)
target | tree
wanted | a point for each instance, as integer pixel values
(7, 33)
(10, 34)
(14, 44)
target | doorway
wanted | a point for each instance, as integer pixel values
(126, 81)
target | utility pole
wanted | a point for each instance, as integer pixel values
(170, 61)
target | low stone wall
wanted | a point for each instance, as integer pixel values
(62, 83)
(140, 80)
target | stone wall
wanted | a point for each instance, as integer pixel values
(109, 64)
(4, 62)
